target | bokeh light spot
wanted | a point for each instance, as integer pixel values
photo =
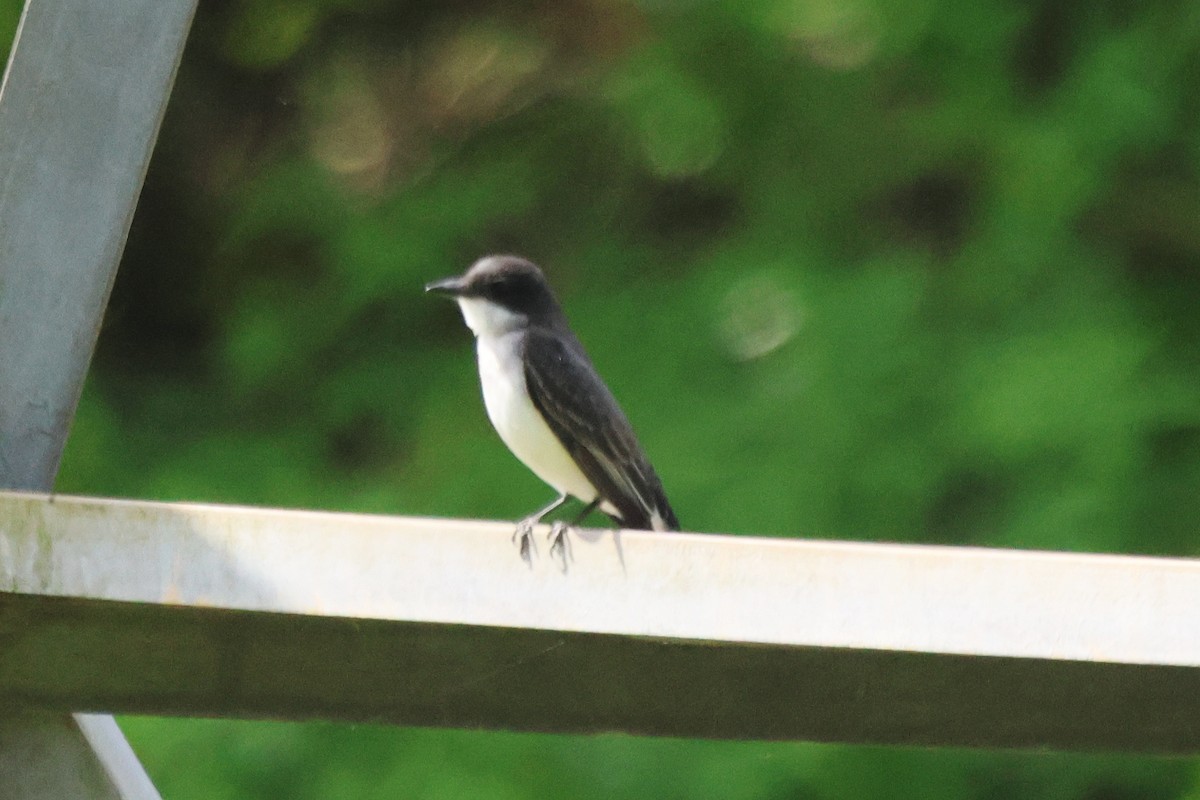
(758, 316)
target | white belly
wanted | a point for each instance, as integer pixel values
(518, 421)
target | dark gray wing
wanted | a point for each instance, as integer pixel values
(585, 417)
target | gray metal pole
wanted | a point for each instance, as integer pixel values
(84, 93)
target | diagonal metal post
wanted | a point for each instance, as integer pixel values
(83, 95)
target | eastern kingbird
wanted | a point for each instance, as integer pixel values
(547, 402)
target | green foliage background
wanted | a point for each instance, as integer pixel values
(917, 270)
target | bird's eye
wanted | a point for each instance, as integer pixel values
(502, 289)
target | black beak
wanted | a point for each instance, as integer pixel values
(451, 286)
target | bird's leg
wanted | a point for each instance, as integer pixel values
(558, 531)
(589, 508)
(524, 531)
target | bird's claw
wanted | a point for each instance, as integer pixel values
(558, 539)
(523, 537)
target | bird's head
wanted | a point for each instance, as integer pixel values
(500, 293)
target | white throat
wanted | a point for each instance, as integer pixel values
(486, 319)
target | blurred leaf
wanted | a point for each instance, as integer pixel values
(262, 34)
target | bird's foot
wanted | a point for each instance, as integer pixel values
(523, 537)
(559, 541)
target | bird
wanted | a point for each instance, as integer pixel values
(548, 403)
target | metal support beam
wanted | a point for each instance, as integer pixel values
(180, 609)
(91, 757)
(83, 95)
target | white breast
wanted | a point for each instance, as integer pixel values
(509, 407)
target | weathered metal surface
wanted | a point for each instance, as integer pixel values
(188, 609)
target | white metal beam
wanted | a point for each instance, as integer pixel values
(192, 609)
